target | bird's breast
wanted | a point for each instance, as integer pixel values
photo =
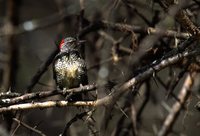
(69, 70)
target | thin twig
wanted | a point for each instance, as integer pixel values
(166, 88)
(176, 80)
(43, 67)
(129, 28)
(181, 16)
(144, 103)
(74, 119)
(176, 108)
(29, 127)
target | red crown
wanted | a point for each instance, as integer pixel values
(61, 44)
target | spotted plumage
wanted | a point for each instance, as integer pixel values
(69, 67)
(70, 70)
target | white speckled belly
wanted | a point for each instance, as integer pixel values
(69, 71)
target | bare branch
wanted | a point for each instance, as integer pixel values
(44, 94)
(77, 116)
(176, 108)
(128, 28)
(181, 16)
(43, 67)
(29, 127)
(46, 104)
(113, 96)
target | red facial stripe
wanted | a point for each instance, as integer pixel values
(61, 44)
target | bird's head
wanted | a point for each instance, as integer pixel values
(69, 43)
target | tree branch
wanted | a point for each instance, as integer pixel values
(176, 108)
(94, 26)
(44, 94)
(181, 16)
(46, 104)
(113, 96)
(29, 127)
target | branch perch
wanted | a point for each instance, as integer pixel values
(113, 96)
(44, 94)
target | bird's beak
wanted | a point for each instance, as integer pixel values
(80, 42)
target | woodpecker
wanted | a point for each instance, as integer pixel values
(69, 67)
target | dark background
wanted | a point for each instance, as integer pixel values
(39, 23)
